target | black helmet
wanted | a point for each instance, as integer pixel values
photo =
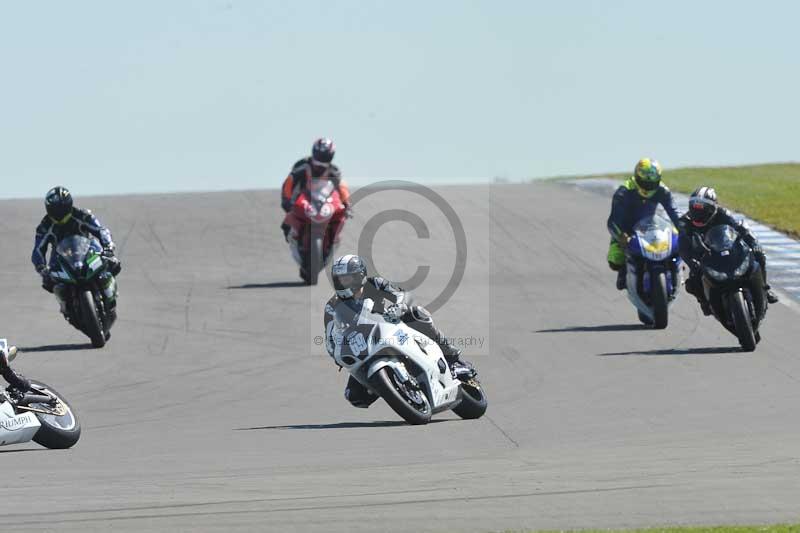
(702, 206)
(322, 152)
(58, 203)
(349, 274)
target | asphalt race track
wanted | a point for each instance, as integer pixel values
(213, 408)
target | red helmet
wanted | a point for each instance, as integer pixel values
(322, 152)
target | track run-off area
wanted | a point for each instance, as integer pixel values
(214, 407)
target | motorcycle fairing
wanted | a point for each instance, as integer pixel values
(653, 248)
(71, 253)
(364, 343)
(14, 428)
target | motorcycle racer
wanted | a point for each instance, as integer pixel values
(638, 197)
(351, 283)
(705, 213)
(62, 220)
(319, 165)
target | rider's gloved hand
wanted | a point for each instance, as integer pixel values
(114, 264)
(348, 211)
(623, 239)
(394, 312)
(47, 281)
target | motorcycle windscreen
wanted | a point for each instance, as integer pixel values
(74, 248)
(318, 189)
(655, 235)
(731, 261)
(721, 238)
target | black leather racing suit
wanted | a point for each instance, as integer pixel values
(14, 379)
(692, 254)
(416, 317)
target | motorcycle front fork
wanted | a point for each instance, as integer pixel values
(60, 292)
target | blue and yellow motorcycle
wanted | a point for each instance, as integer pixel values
(653, 269)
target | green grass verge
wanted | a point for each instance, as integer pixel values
(767, 193)
(778, 528)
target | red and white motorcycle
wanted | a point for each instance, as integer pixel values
(315, 221)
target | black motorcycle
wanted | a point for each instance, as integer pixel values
(734, 284)
(87, 286)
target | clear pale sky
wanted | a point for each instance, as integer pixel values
(112, 97)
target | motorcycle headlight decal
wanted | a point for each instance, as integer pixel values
(95, 262)
(657, 247)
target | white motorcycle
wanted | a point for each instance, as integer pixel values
(653, 269)
(40, 414)
(399, 364)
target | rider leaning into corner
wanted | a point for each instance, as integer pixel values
(704, 213)
(319, 165)
(63, 220)
(352, 286)
(638, 197)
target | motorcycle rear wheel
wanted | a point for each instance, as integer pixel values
(385, 383)
(741, 319)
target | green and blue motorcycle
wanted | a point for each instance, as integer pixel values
(85, 287)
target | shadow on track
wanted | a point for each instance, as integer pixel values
(605, 327)
(55, 348)
(271, 285)
(24, 450)
(680, 351)
(344, 425)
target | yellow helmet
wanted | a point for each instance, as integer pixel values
(647, 176)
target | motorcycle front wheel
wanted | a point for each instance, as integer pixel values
(473, 402)
(91, 320)
(314, 260)
(411, 405)
(60, 428)
(741, 319)
(660, 300)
